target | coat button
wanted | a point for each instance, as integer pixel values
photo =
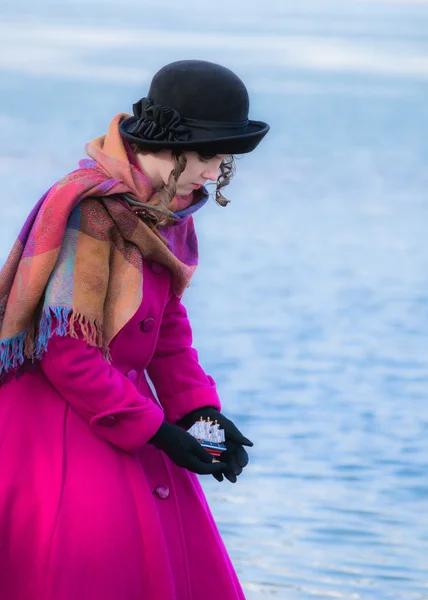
(132, 375)
(147, 325)
(162, 492)
(108, 420)
(157, 268)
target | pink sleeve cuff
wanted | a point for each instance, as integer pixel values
(128, 428)
(191, 400)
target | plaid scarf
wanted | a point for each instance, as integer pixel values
(79, 257)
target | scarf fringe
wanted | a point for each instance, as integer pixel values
(32, 345)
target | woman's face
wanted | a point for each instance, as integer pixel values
(198, 171)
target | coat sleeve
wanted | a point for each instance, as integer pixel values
(180, 382)
(97, 391)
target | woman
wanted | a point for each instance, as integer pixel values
(98, 492)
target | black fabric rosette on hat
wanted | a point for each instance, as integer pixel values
(155, 122)
(194, 105)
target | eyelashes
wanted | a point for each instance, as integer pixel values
(206, 157)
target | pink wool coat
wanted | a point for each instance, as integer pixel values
(88, 509)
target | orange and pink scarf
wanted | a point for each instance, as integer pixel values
(79, 256)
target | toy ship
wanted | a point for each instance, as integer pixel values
(209, 435)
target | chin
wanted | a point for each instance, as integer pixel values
(185, 191)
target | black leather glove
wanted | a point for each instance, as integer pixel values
(185, 451)
(235, 457)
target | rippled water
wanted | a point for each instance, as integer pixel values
(310, 306)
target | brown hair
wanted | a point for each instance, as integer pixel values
(166, 194)
(227, 171)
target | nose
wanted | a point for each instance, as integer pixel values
(211, 172)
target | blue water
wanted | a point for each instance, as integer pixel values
(310, 306)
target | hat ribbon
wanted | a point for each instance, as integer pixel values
(164, 123)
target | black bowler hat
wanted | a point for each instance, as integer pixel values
(194, 105)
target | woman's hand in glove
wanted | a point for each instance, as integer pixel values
(235, 457)
(183, 449)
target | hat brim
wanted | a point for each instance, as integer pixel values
(239, 144)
